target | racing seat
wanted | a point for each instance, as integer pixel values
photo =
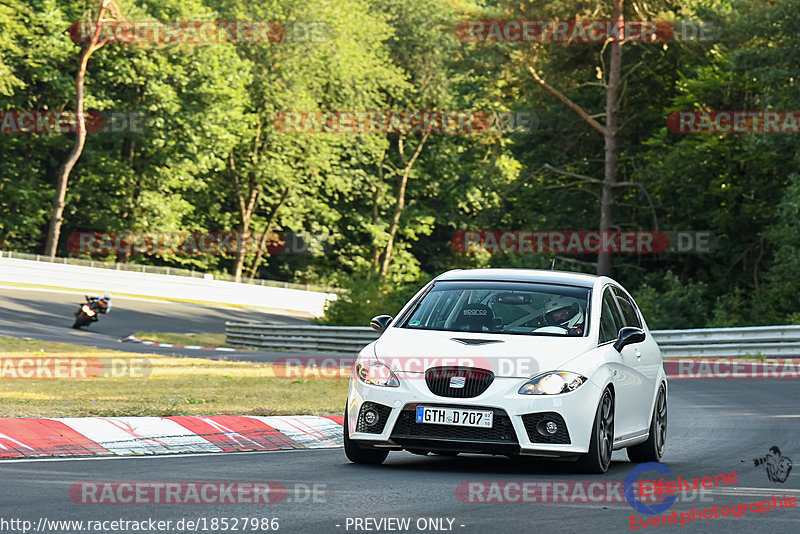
(474, 317)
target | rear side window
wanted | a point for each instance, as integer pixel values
(610, 319)
(628, 310)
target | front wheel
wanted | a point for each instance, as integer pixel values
(359, 455)
(598, 458)
(653, 449)
(80, 320)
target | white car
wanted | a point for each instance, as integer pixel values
(511, 362)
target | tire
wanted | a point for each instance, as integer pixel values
(653, 449)
(601, 445)
(358, 455)
(79, 321)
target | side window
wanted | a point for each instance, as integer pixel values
(628, 310)
(610, 320)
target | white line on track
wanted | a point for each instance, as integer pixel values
(64, 291)
(736, 490)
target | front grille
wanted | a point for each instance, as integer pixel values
(407, 427)
(383, 416)
(535, 426)
(476, 381)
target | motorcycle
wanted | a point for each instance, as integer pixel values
(87, 313)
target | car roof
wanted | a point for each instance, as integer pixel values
(521, 275)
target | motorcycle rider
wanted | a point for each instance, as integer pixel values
(88, 312)
(103, 303)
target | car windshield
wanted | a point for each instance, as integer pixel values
(503, 308)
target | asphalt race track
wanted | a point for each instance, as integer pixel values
(48, 316)
(715, 427)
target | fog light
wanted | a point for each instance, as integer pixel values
(547, 427)
(370, 417)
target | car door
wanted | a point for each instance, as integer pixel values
(626, 389)
(642, 359)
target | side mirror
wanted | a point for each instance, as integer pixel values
(628, 336)
(381, 322)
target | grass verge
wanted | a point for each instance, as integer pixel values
(174, 386)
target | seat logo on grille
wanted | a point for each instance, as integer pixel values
(458, 382)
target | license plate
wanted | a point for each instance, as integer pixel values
(452, 416)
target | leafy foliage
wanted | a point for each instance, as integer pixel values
(210, 142)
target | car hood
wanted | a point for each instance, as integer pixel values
(506, 355)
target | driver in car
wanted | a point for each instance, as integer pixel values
(564, 312)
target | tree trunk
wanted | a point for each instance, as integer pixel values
(604, 266)
(128, 152)
(376, 251)
(239, 266)
(400, 203)
(376, 195)
(609, 130)
(56, 218)
(246, 208)
(270, 223)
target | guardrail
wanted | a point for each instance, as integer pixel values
(348, 339)
(767, 341)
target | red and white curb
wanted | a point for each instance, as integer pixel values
(132, 339)
(124, 436)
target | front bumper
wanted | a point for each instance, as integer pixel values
(517, 419)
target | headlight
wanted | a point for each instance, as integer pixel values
(377, 374)
(553, 383)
